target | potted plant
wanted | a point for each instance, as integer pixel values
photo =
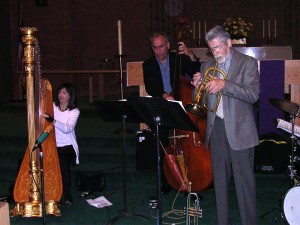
(238, 28)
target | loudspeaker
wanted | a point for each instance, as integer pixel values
(4, 214)
(146, 159)
(41, 2)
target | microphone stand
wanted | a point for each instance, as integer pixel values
(159, 199)
(41, 154)
(291, 157)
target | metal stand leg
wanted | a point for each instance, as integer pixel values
(42, 185)
(277, 209)
(159, 205)
(124, 212)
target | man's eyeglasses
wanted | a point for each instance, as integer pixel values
(218, 48)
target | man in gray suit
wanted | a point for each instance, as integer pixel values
(231, 130)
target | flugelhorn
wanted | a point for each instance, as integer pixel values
(199, 101)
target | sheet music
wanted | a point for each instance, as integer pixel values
(287, 126)
(179, 102)
(99, 202)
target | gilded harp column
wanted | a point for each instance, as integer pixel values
(29, 41)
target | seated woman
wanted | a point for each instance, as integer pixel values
(64, 120)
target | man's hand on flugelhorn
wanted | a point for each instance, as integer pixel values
(215, 85)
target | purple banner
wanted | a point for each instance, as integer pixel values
(271, 86)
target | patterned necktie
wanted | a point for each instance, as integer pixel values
(219, 112)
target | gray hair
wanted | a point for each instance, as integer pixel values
(217, 32)
(156, 34)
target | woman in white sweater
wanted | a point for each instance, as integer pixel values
(64, 120)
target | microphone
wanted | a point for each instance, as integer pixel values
(42, 137)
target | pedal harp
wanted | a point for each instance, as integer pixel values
(27, 189)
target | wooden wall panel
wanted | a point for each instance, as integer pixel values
(79, 34)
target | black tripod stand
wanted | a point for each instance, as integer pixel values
(124, 212)
(113, 111)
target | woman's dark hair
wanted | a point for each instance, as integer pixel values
(71, 90)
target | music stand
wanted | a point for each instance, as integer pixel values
(116, 111)
(160, 112)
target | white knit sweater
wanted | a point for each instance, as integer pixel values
(64, 123)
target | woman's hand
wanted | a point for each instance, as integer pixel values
(47, 117)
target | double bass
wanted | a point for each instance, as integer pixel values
(28, 194)
(192, 158)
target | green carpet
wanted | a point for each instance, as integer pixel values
(101, 150)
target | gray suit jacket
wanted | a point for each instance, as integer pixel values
(240, 92)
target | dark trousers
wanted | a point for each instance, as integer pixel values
(239, 163)
(67, 157)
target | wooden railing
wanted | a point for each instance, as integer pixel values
(292, 78)
(90, 73)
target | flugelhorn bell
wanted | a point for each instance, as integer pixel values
(198, 106)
